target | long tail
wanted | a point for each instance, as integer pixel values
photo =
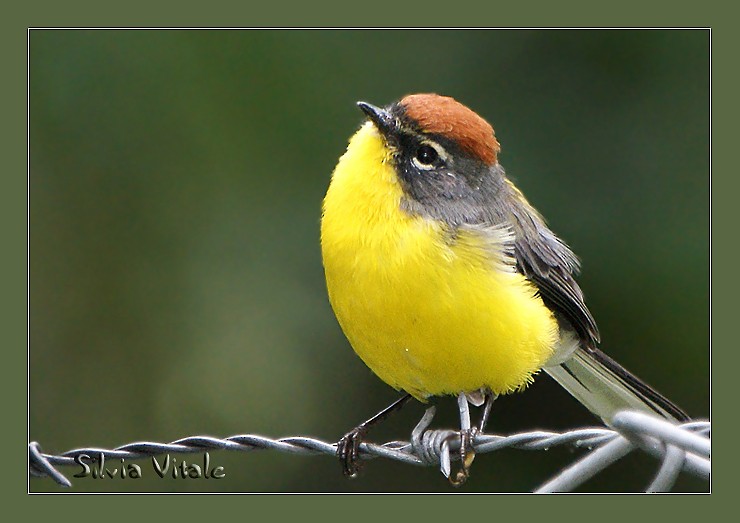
(604, 387)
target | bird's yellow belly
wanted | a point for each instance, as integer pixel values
(434, 318)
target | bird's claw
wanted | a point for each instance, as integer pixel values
(467, 455)
(348, 451)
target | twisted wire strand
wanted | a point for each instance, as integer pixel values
(680, 447)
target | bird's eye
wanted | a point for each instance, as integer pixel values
(426, 155)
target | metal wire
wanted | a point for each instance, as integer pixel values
(680, 448)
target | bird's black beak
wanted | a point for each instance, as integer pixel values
(382, 119)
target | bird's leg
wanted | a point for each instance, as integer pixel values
(348, 447)
(490, 398)
(467, 453)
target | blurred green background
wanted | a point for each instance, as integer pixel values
(176, 285)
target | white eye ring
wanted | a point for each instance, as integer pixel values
(437, 148)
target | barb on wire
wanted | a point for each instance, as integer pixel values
(683, 447)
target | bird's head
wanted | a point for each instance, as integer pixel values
(444, 156)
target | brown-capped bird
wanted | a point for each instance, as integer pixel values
(446, 281)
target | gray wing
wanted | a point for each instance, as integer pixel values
(590, 375)
(550, 264)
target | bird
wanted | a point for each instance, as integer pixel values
(447, 282)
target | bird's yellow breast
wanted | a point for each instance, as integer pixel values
(429, 313)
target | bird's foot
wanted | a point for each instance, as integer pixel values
(467, 455)
(348, 451)
(348, 448)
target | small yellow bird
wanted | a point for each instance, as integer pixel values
(446, 281)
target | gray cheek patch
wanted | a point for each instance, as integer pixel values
(454, 198)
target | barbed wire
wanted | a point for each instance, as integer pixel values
(685, 447)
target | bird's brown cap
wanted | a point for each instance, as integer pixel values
(449, 118)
